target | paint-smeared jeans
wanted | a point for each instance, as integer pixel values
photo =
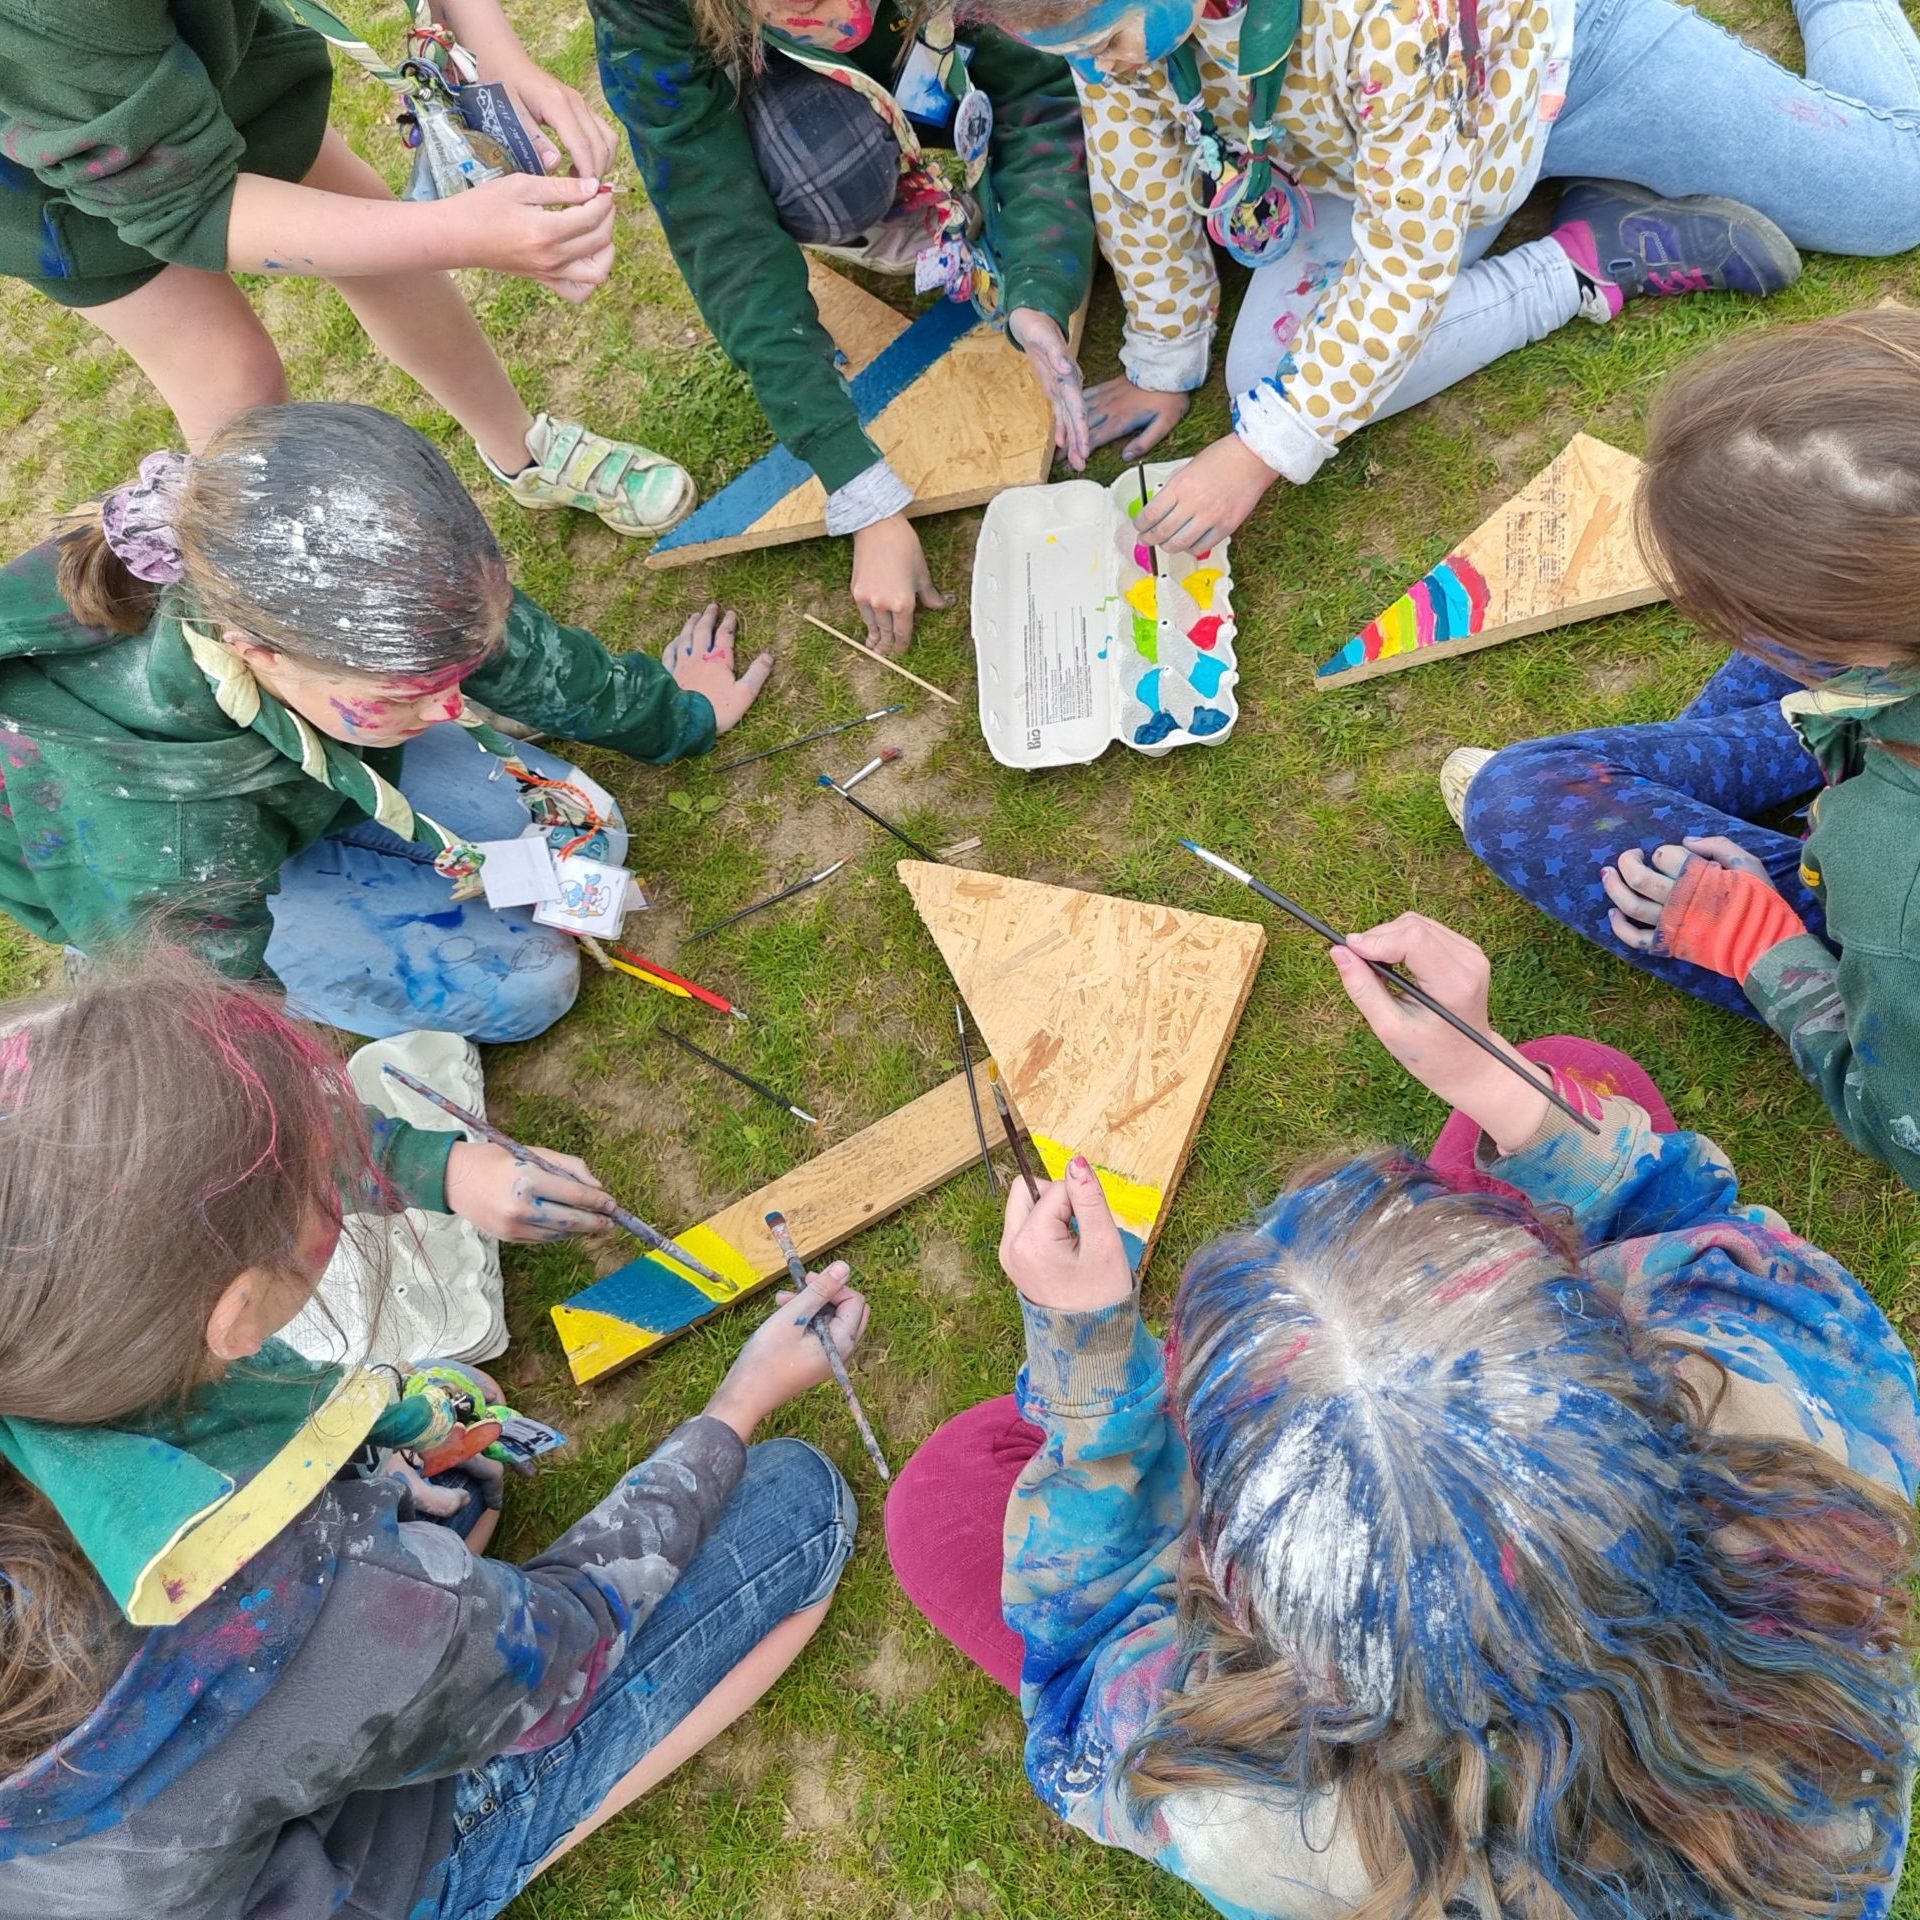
(1660, 96)
(367, 938)
(1547, 815)
(778, 1549)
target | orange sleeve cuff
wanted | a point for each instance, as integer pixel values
(1724, 919)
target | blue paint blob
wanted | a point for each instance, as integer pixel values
(1148, 691)
(1205, 674)
(1206, 720)
(1157, 729)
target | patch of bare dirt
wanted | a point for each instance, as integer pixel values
(896, 1673)
(947, 1269)
(823, 1794)
(740, 1759)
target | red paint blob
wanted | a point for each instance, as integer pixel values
(1205, 632)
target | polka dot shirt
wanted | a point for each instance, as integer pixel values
(1428, 114)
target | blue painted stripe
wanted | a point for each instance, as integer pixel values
(1450, 602)
(646, 1294)
(738, 507)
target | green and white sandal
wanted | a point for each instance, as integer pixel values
(633, 489)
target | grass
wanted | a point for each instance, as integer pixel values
(883, 1776)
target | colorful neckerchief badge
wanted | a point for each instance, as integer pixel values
(1252, 204)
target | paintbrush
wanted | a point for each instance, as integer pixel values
(1153, 552)
(797, 1271)
(641, 968)
(733, 1073)
(631, 1223)
(772, 900)
(973, 1097)
(1394, 978)
(894, 666)
(806, 739)
(884, 758)
(1020, 1159)
(879, 820)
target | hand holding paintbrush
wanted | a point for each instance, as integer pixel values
(787, 1353)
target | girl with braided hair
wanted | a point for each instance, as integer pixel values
(235, 689)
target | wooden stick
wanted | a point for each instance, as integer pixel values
(861, 647)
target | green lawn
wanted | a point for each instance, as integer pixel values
(883, 1777)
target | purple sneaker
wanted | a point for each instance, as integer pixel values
(1626, 242)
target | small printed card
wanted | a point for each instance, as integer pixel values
(519, 873)
(595, 897)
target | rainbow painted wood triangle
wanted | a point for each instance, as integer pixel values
(1115, 1019)
(1109, 1019)
(1561, 550)
(951, 403)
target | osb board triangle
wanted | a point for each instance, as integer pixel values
(1109, 1019)
(1561, 550)
(950, 401)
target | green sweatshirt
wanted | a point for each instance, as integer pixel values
(124, 789)
(1852, 1018)
(124, 123)
(749, 276)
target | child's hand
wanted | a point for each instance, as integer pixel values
(559, 232)
(1640, 888)
(891, 579)
(1708, 901)
(1117, 406)
(701, 660)
(1207, 499)
(541, 101)
(783, 1358)
(1451, 968)
(513, 1200)
(1040, 339)
(1051, 1264)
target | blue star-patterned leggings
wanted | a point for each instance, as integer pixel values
(1547, 815)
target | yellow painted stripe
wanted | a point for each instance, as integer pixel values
(1135, 1204)
(724, 1258)
(598, 1343)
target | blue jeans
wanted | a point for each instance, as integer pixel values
(1659, 96)
(1547, 815)
(367, 937)
(778, 1549)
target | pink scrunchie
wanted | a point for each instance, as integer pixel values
(140, 519)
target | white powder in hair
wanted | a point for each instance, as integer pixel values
(1823, 458)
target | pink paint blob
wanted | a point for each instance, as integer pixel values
(1141, 557)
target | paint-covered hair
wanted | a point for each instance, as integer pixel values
(335, 534)
(161, 1131)
(1780, 502)
(1466, 1552)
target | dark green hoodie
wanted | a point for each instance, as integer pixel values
(124, 789)
(1852, 1018)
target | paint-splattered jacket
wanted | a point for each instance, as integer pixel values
(1426, 113)
(124, 788)
(1096, 1521)
(124, 124)
(749, 277)
(1852, 1018)
(288, 1749)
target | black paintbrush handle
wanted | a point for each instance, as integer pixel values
(747, 1080)
(772, 900)
(880, 820)
(805, 740)
(1417, 993)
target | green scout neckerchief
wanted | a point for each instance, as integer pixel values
(169, 1506)
(1830, 716)
(1252, 202)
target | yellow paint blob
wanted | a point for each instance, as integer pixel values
(1144, 596)
(1201, 583)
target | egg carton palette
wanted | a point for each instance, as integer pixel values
(1080, 642)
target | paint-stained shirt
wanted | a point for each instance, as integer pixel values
(1849, 1005)
(124, 789)
(1427, 114)
(1096, 1522)
(289, 1749)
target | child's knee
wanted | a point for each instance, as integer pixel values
(1504, 792)
(538, 983)
(808, 1497)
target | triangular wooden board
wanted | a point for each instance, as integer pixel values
(950, 401)
(1561, 550)
(1110, 1019)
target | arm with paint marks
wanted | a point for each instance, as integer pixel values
(746, 273)
(1412, 174)
(564, 681)
(502, 1658)
(1041, 220)
(1157, 247)
(1853, 1023)
(1093, 1539)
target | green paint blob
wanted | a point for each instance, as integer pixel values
(1146, 637)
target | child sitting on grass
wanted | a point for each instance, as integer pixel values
(244, 1680)
(235, 687)
(1523, 1532)
(1780, 506)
